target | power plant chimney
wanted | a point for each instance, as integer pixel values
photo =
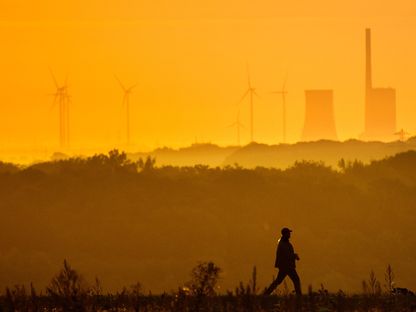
(368, 74)
(380, 103)
(319, 116)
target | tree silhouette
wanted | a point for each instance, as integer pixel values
(69, 288)
(204, 279)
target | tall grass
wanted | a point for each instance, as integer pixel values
(68, 291)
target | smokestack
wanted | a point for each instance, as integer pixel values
(380, 103)
(368, 78)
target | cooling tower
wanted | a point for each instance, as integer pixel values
(380, 104)
(319, 116)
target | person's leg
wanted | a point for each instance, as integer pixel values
(296, 281)
(279, 279)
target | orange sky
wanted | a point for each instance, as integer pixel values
(189, 60)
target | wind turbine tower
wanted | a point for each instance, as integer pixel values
(402, 134)
(126, 104)
(238, 125)
(283, 93)
(62, 99)
(251, 92)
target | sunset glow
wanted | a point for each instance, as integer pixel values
(189, 62)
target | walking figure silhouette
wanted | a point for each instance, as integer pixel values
(286, 263)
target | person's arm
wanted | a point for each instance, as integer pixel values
(295, 255)
(278, 255)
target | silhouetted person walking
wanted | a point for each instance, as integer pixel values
(285, 262)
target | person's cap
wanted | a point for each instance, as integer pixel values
(286, 230)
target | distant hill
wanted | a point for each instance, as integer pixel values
(277, 156)
(204, 153)
(329, 152)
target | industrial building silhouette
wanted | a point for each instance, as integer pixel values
(319, 116)
(380, 109)
(380, 104)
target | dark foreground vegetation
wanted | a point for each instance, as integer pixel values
(132, 221)
(314, 302)
(68, 291)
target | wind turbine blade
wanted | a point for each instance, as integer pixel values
(132, 87)
(121, 84)
(256, 94)
(232, 125)
(55, 100)
(54, 79)
(244, 96)
(66, 80)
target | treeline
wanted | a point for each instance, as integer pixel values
(126, 221)
(118, 162)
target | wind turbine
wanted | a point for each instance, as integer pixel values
(238, 125)
(251, 91)
(402, 134)
(126, 103)
(62, 99)
(283, 93)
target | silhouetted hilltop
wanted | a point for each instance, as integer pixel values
(276, 156)
(202, 153)
(329, 152)
(412, 140)
(8, 168)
